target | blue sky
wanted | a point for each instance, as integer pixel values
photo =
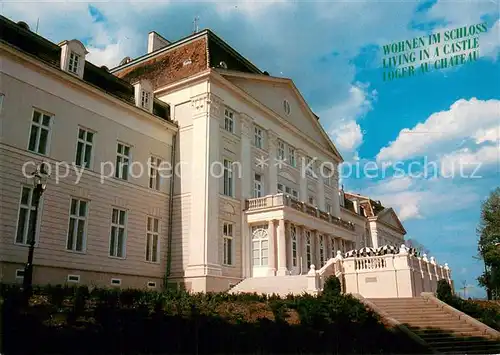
(332, 52)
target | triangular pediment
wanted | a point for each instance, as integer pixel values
(389, 217)
(272, 93)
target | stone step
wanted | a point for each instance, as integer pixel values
(466, 348)
(404, 305)
(443, 328)
(460, 334)
(422, 314)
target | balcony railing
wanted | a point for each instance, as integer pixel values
(281, 200)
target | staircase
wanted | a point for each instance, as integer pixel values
(280, 285)
(444, 332)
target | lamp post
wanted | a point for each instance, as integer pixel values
(40, 183)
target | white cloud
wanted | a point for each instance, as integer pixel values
(464, 120)
(464, 162)
(487, 135)
(345, 132)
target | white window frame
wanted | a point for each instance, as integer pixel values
(229, 120)
(19, 273)
(309, 172)
(258, 137)
(228, 189)
(328, 207)
(152, 233)
(74, 62)
(29, 208)
(291, 157)
(258, 186)
(40, 126)
(154, 173)
(82, 144)
(113, 249)
(281, 150)
(333, 244)
(261, 246)
(228, 243)
(327, 176)
(294, 245)
(308, 245)
(77, 218)
(280, 188)
(145, 99)
(116, 282)
(311, 200)
(73, 278)
(321, 250)
(122, 161)
(151, 284)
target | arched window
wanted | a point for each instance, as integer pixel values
(260, 246)
(308, 249)
(293, 232)
(321, 250)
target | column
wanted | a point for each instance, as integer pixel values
(282, 268)
(246, 191)
(272, 249)
(328, 247)
(204, 227)
(320, 194)
(272, 171)
(316, 256)
(301, 156)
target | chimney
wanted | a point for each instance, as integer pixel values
(155, 42)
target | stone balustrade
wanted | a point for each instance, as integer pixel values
(391, 275)
(282, 200)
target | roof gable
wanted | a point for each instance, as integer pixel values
(272, 93)
(389, 217)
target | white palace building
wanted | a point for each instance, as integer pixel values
(252, 202)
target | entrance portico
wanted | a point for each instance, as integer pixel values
(285, 236)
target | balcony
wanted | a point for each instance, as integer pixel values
(281, 200)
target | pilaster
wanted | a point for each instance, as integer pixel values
(272, 178)
(204, 231)
(336, 197)
(301, 155)
(246, 190)
(320, 195)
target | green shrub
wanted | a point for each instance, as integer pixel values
(332, 287)
(443, 291)
(56, 295)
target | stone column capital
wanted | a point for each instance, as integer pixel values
(272, 138)
(206, 103)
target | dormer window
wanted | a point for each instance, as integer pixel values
(73, 57)
(74, 62)
(145, 97)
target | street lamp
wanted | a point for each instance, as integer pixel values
(40, 183)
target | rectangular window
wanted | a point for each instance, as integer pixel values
(116, 282)
(328, 208)
(84, 148)
(327, 176)
(309, 166)
(154, 173)
(74, 62)
(293, 232)
(227, 235)
(19, 273)
(73, 278)
(308, 249)
(151, 284)
(280, 188)
(77, 225)
(26, 216)
(229, 120)
(291, 156)
(258, 137)
(257, 186)
(281, 150)
(152, 240)
(122, 161)
(117, 236)
(228, 178)
(145, 97)
(1, 102)
(295, 194)
(39, 134)
(311, 200)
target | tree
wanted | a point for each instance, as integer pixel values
(488, 244)
(420, 248)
